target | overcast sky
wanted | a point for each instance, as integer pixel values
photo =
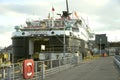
(103, 16)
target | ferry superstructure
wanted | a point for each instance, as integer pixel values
(51, 38)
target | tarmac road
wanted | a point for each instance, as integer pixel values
(99, 69)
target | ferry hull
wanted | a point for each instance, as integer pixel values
(25, 47)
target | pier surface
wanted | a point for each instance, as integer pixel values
(102, 68)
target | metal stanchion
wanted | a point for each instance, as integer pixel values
(13, 71)
(59, 64)
(36, 69)
(3, 74)
(51, 64)
(43, 71)
(9, 73)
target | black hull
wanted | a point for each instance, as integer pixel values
(20, 48)
(53, 44)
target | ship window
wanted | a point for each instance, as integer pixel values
(68, 27)
(75, 29)
(58, 24)
(43, 24)
(34, 24)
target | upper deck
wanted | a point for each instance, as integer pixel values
(69, 27)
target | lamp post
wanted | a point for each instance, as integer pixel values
(64, 41)
(100, 45)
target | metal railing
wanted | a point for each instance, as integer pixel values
(41, 68)
(117, 60)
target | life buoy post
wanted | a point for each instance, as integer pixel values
(28, 68)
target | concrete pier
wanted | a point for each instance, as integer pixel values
(102, 68)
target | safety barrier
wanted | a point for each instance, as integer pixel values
(117, 60)
(41, 68)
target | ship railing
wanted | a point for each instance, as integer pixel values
(41, 68)
(40, 28)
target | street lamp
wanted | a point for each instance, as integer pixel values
(100, 45)
(64, 42)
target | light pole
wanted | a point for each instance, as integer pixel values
(100, 45)
(64, 40)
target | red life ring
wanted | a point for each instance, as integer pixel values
(28, 68)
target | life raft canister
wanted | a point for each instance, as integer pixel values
(28, 68)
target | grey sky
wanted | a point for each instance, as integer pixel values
(103, 15)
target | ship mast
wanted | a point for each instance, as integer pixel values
(66, 13)
(67, 6)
